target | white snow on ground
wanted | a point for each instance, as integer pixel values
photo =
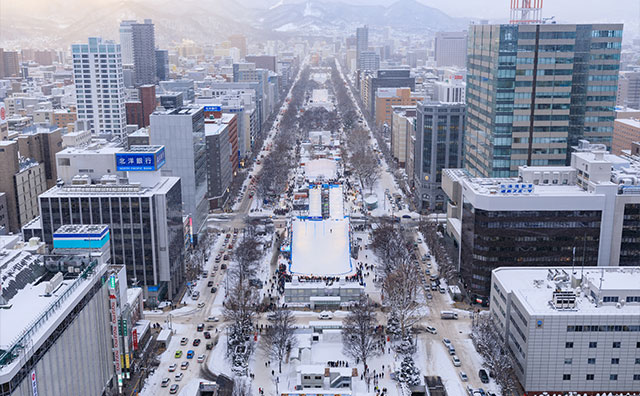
(191, 387)
(439, 361)
(320, 247)
(218, 362)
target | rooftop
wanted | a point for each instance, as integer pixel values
(632, 122)
(534, 287)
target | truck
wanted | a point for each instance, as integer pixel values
(448, 315)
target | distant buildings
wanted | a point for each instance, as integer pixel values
(239, 41)
(629, 89)
(97, 72)
(138, 112)
(144, 52)
(438, 145)
(126, 41)
(263, 61)
(388, 78)
(588, 213)
(450, 91)
(162, 65)
(451, 49)
(362, 44)
(570, 329)
(553, 85)
(9, 63)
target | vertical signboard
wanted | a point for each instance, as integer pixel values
(113, 311)
(34, 383)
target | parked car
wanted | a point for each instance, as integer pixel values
(429, 296)
(184, 341)
(456, 361)
(174, 389)
(178, 354)
(165, 382)
(432, 330)
(173, 368)
(201, 305)
(213, 319)
(463, 376)
(484, 377)
(446, 342)
(200, 327)
(325, 315)
(201, 358)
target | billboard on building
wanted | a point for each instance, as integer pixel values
(140, 158)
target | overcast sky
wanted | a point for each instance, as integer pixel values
(579, 11)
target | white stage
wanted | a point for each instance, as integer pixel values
(321, 169)
(321, 248)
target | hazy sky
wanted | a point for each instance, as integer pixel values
(564, 10)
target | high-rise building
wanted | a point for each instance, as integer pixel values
(162, 65)
(369, 60)
(438, 145)
(144, 52)
(587, 212)
(450, 91)
(389, 78)
(10, 63)
(362, 44)
(41, 144)
(387, 98)
(629, 90)
(263, 61)
(570, 330)
(550, 86)
(222, 157)
(403, 129)
(451, 49)
(239, 41)
(126, 41)
(181, 130)
(97, 73)
(142, 209)
(22, 179)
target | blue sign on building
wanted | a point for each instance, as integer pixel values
(140, 161)
(212, 108)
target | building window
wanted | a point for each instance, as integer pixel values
(591, 361)
(568, 361)
(636, 377)
(568, 345)
(615, 361)
(593, 345)
(637, 360)
(616, 344)
(566, 377)
(590, 377)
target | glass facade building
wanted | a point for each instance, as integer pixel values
(533, 91)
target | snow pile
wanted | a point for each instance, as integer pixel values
(320, 248)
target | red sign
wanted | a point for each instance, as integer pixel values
(134, 335)
(457, 77)
(3, 113)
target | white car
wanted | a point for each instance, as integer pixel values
(325, 315)
(432, 330)
(456, 361)
(200, 305)
(463, 376)
(165, 382)
(201, 358)
(179, 376)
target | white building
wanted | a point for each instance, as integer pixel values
(97, 72)
(569, 330)
(451, 48)
(450, 91)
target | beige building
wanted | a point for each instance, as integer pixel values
(22, 180)
(41, 144)
(386, 98)
(625, 132)
(62, 118)
(402, 126)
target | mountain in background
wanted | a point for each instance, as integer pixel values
(57, 23)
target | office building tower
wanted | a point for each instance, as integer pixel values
(263, 61)
(22, 179)
(551, 86)
(387, 98)
(587, 213)
(126, 41)
(97, 73)
(388, 78)
(629, 90)
(181, 130)
(162, 65)
(184, 85)
(142, 209)
(625, 132)
(171, 100)
(222, 157)
(438, 145)
(402, 131)
(9, 63)
(362, 44)
(451, 49)
(239, 41)
(568, 329)
(369, 61)
(41, 143)
(144, 52)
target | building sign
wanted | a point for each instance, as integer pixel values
(134, 336)
(516, 188)
(34, 383)
(140, 161)
(208, 109)
(3, 112)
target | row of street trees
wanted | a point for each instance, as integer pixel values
(497, 357)
(433, 235)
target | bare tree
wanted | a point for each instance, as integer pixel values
(401, 288)
(241, 386)
(280, 337)
(391, 247)
(365, 168)
(497, 356)
(358, 332)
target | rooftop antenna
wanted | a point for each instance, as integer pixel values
(526, 12)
